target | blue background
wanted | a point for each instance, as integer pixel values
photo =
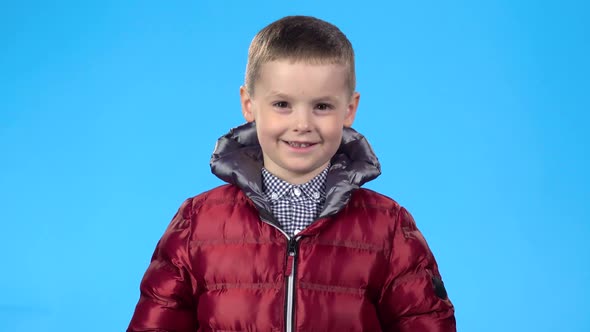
(478, 110)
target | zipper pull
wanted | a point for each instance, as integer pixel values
(292, 246)
(292, 251)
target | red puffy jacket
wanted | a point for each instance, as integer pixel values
(224, 264)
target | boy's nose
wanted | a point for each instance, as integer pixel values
(302, 120)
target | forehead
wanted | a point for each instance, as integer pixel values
(302, 78)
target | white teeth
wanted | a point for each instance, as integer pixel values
(299, 145)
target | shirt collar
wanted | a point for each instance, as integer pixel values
(314, 189)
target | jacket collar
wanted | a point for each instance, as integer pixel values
(237, 159)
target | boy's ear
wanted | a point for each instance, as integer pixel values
(352, 107)
(246, 102)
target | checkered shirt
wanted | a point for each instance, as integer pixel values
(295, 206)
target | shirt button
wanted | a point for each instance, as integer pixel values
(274, 196)
(297, 231)
(316, 195)
(296, 191)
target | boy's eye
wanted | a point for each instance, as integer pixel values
(281, 104)
(323, 107)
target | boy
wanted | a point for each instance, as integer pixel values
(292, 243)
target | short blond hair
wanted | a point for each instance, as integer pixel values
(299, 38)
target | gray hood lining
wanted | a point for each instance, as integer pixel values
(237, 159)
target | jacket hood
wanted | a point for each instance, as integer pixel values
(237, 159)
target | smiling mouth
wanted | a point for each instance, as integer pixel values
(299, 144)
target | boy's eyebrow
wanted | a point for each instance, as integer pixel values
(326, 98)
(281, 95)
(277, 94)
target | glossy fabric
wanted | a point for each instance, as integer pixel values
(362, 266)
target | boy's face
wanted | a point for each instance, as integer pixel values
(300, 110)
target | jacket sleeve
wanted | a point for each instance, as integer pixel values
(413, 298)
(167, 291)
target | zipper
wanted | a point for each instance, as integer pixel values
(290, 274)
